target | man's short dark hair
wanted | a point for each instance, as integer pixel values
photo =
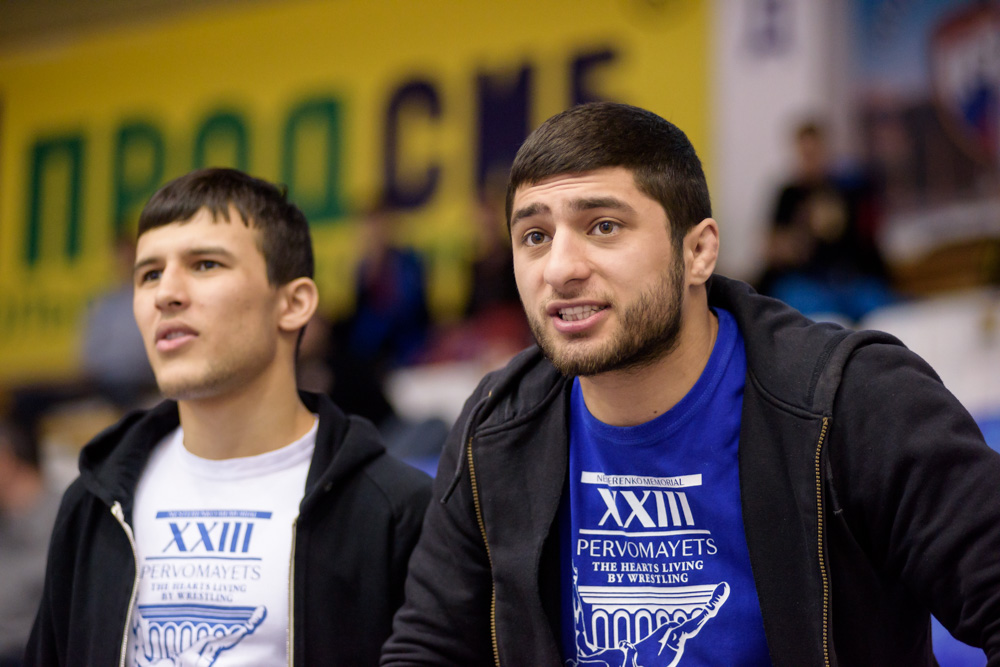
(606, 134)
(284, 230)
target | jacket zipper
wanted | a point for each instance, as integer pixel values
(291, 598)
(820, 529)
(482, 529)
(119, 514)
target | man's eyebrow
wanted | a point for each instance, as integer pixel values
(577, 205)
(143, 263)
(191, 252)
(588, 203)
(208, 250)
(528, 211)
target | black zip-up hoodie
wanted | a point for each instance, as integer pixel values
(358, 522)
(869, 500)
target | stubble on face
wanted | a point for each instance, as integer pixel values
(648, 329)
(231, 360)
(218, 376)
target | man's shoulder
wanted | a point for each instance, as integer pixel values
(398, 480)
(793, 358)
(350, 447)
(389, 489)
(526, 384)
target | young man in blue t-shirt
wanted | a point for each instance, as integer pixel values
(685, 472)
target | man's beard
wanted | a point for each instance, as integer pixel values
(648, 329)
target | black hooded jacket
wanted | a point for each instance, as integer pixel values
(358, 522)
(869, 500)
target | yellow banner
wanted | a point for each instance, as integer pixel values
(341, 101)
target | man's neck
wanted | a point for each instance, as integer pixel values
(633, 397)
(259, 418)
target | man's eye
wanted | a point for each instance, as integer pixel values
(605, 227)
(205, 264)
(534, 238)
(152, 274)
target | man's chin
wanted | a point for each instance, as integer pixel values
(574, 355)
(187, 389)
(608, 358)
(573, 363)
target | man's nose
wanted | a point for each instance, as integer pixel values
(567, 260)
(171, 290)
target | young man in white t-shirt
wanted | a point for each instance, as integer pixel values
(240, 522)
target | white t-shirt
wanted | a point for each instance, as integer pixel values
(214, 541)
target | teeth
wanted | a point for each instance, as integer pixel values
(578, 312)
(174, 334)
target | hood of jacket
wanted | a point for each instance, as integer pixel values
(790, 358)
(112, 463)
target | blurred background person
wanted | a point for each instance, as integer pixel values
(324, 367)
(390, 321)
(493, 327)
(113, 358)
(28, 504)
(494, 311)
(821, 255)
(386, 330)
(493, 285)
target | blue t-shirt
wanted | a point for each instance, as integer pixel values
(653, 538)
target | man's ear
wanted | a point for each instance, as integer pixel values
(701, 251)
(298, 301)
